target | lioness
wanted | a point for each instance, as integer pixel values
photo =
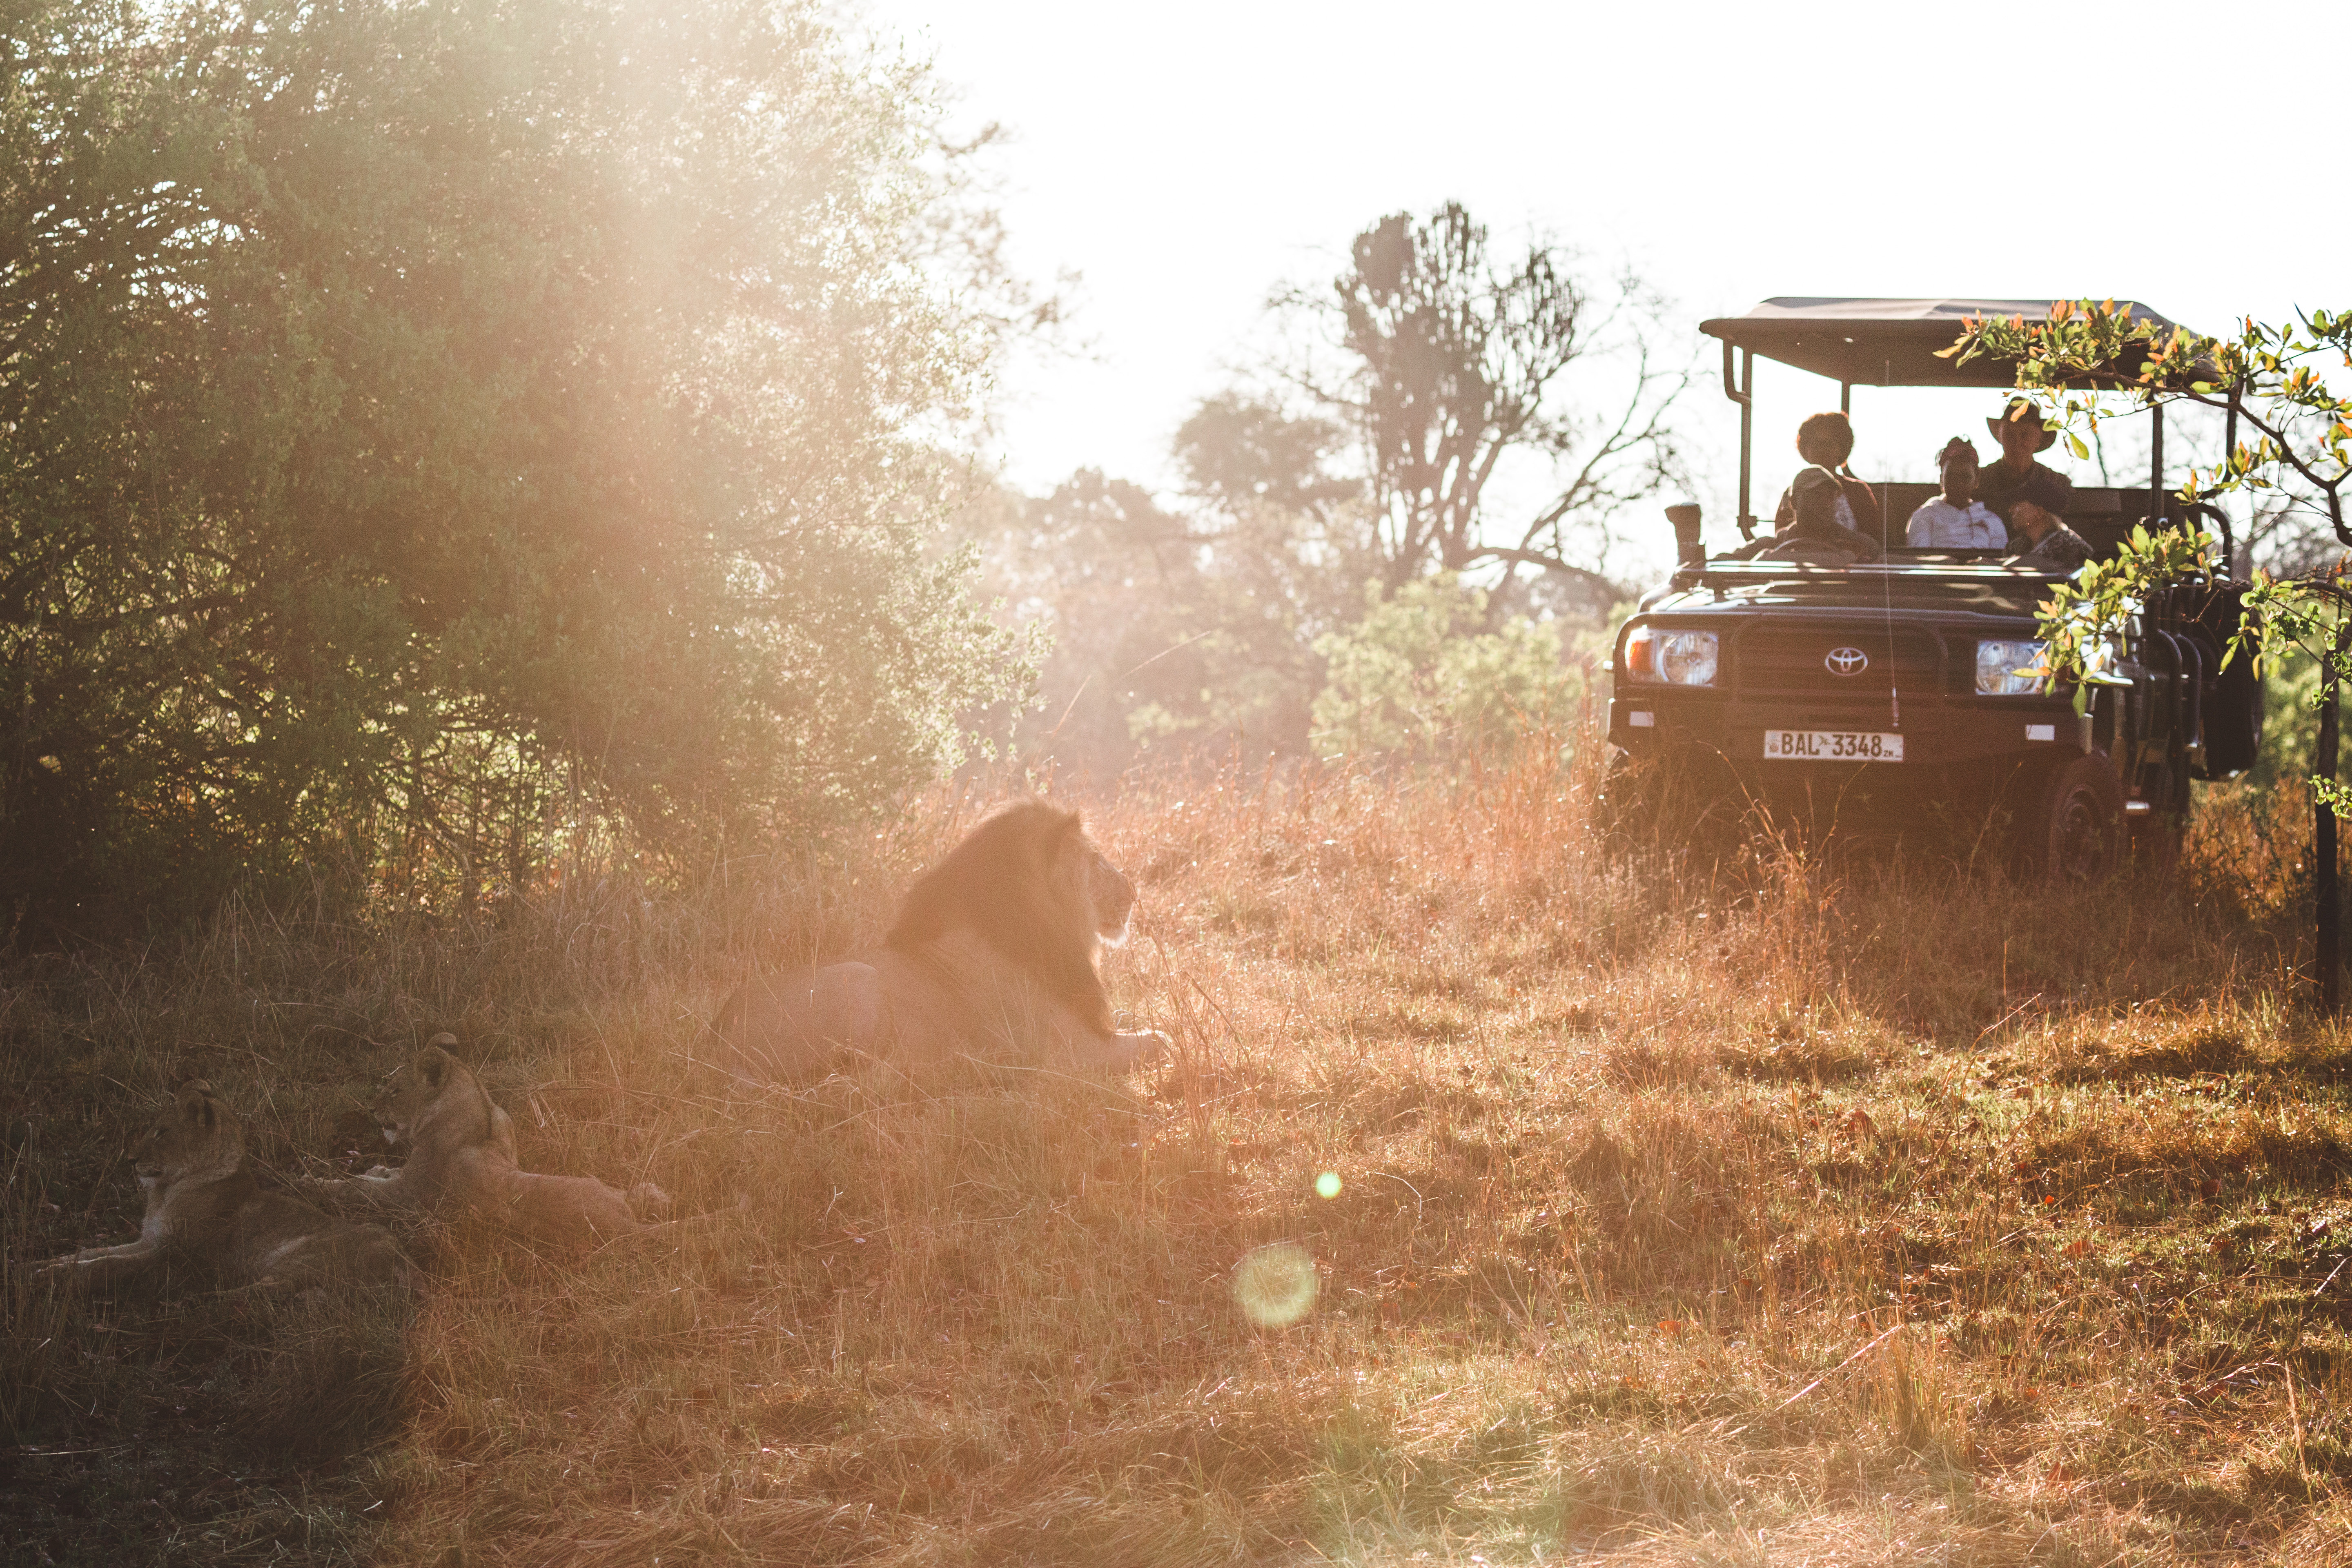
(996, 942)
(205, 1212)
(461, 1159)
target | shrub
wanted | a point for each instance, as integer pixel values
(1417, 670)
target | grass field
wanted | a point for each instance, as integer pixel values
(1895, 1216)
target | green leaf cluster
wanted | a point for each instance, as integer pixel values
(2091, 350)
(2083, 621)
(1418, 670)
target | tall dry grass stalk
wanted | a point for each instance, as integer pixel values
(1769, 1214)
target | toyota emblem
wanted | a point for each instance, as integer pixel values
(1846, 660)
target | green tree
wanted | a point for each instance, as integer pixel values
(1418, 670)
(432, 428)
(1453, 360)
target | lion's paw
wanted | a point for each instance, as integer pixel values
(1133, 1050)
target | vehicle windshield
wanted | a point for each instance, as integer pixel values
(1817, 457)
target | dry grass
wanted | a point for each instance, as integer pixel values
(1770, 1218)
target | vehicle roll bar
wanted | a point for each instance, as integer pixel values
(1743, 393)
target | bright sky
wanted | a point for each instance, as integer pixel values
(1186, 158)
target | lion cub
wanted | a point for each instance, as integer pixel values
(206, 1211)
(462, 1160)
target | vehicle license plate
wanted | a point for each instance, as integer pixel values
(1832, 746)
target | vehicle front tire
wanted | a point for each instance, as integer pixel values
(2075, 834)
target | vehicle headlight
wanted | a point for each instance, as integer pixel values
(1679, 658)
(2010, 668)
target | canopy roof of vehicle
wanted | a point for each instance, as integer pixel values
(1882, 342)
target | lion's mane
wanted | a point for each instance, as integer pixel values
(992, 950)
(1020, 881)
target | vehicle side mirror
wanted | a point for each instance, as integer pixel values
(1688, 547)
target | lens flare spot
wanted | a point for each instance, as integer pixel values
(1326, 1185)
(1274, 1285)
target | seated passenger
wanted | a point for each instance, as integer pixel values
(2021, 434)
(2043, 542)
(1956, 520)
(1824, 504)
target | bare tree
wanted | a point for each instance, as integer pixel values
(1452, 360)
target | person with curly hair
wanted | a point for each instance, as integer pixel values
(1825, 503)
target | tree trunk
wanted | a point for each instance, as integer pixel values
(2323, 846)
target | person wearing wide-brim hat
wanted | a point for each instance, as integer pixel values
(2022, 419)
(2020, 432)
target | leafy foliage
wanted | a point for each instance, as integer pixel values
(1417, 670)
(2081, 620)
(2300, 426)
(433, 431)
(2264, 374)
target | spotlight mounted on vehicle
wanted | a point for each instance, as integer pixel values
(1688, 547)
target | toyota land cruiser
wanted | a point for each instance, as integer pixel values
(1897, 692)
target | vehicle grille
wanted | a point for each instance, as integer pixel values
(1778, 658)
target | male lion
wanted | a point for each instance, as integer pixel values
(994, 943)
(206, 1212)
(462, 1158)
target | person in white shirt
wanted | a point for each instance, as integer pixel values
(1956, 520)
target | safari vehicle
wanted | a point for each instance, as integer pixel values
(1887, 694)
